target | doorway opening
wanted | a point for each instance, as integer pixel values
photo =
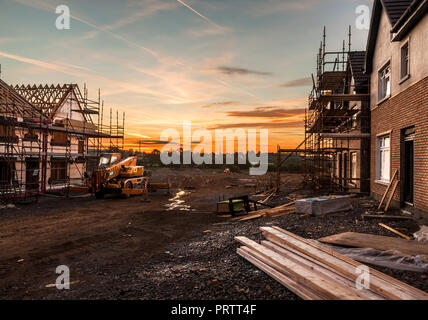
(408, 166)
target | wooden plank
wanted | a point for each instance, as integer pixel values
(377, 285)
(328, 287)
(292, 285)
(251, 217)
(318, 267)
(274, 212)
(399, 285)
(391, 195)
(282, 207)
(268, 197)
(375, 216)
(395, 231)
(387, 189)
(362, 240)
(280, 214)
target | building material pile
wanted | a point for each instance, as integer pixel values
(323, 205)
(314, 272)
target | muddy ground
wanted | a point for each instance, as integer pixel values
(172, 247)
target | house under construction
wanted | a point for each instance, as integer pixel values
(336, 148)
(337, 124)
(51, 138)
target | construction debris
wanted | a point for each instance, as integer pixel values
(363, 240)
(314, 272)
(376, 216)
(323, 205)
(288, 208)
(395, 231)
(422, 234)
(394, 187)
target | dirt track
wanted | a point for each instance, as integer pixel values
(107, 236)
(130, 249)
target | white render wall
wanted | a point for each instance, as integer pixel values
(386, 50)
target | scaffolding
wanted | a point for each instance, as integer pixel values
(336, 148)
(51, 138)
(337, 122)
(20, 145)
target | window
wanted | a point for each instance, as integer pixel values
(59, 138)
(7, 133)
(81, 146)
(405, 60)
(31, 136)
(353, 172)
(384, 158)
(7, 173)
(114, 159)
(385, 82)
(58, 170)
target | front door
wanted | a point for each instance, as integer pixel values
(408, 166)
(32, 173)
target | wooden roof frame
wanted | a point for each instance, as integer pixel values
(49, 99)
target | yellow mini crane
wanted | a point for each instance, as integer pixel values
(115, 175)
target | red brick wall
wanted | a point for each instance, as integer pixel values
(406, 109)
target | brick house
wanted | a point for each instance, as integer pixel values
(395, 60)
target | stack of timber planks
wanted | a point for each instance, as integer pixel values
(314, 272)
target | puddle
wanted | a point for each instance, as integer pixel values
(177, 203)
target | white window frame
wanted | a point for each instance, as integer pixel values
(384, 86)
(353, 167)
(383, 158)
(407, 74)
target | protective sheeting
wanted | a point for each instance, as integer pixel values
(323, 205)
(422, 234)
(390, 259)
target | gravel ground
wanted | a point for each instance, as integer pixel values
(130, 249)
(206, 266)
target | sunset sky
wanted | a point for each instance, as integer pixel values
(218, 63)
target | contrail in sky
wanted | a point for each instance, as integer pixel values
(48, 7)
(199, 14)
(124, 85)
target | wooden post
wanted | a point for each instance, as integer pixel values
(278, 170)
(387, 190)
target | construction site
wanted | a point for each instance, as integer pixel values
(52, 138)
(350, 225)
